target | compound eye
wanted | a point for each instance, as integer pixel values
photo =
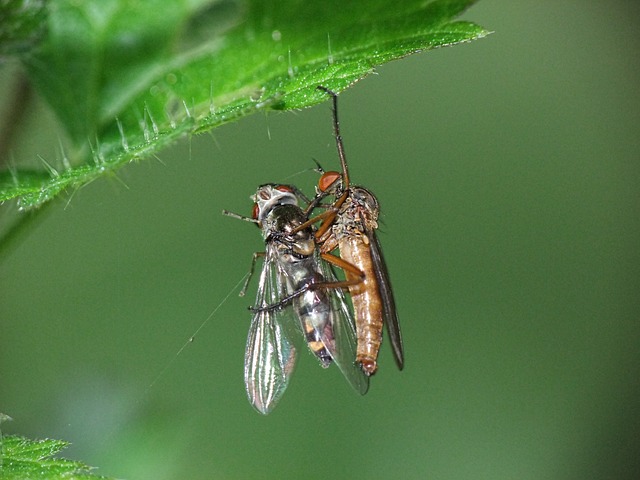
(255, 211)
(327, 180)
(284, 188)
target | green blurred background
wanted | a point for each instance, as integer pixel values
(508, 172)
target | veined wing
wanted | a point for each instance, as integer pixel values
(269, 356)
(343, 346)
(389, 312)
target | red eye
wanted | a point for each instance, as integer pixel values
(284, 188)
(327, 179)
(256, 210)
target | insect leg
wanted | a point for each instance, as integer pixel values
(283, 301)
(336, 130)
(327, 216)
(317, 203)
(326, 224)
(239, 217)
(346, 266)
(327, 285)
(253, 266)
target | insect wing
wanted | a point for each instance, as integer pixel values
(344, 344)
(270, 356)
(389, 312)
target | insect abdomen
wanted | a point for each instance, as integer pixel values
(313, 308)
(366, 301)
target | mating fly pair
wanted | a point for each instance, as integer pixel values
(299, 290)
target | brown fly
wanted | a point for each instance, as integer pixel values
(349, 223)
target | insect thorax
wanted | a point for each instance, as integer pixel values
(358, 214)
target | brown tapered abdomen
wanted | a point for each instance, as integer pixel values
(366, 301)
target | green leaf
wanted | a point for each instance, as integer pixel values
(21, 25)
(127, 78)
(22, 458)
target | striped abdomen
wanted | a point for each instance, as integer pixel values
(312, 307)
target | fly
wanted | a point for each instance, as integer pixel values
(350, 224)
(297, 290)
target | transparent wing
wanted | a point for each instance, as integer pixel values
(389, 312)
(342, 346)
(269, 356)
